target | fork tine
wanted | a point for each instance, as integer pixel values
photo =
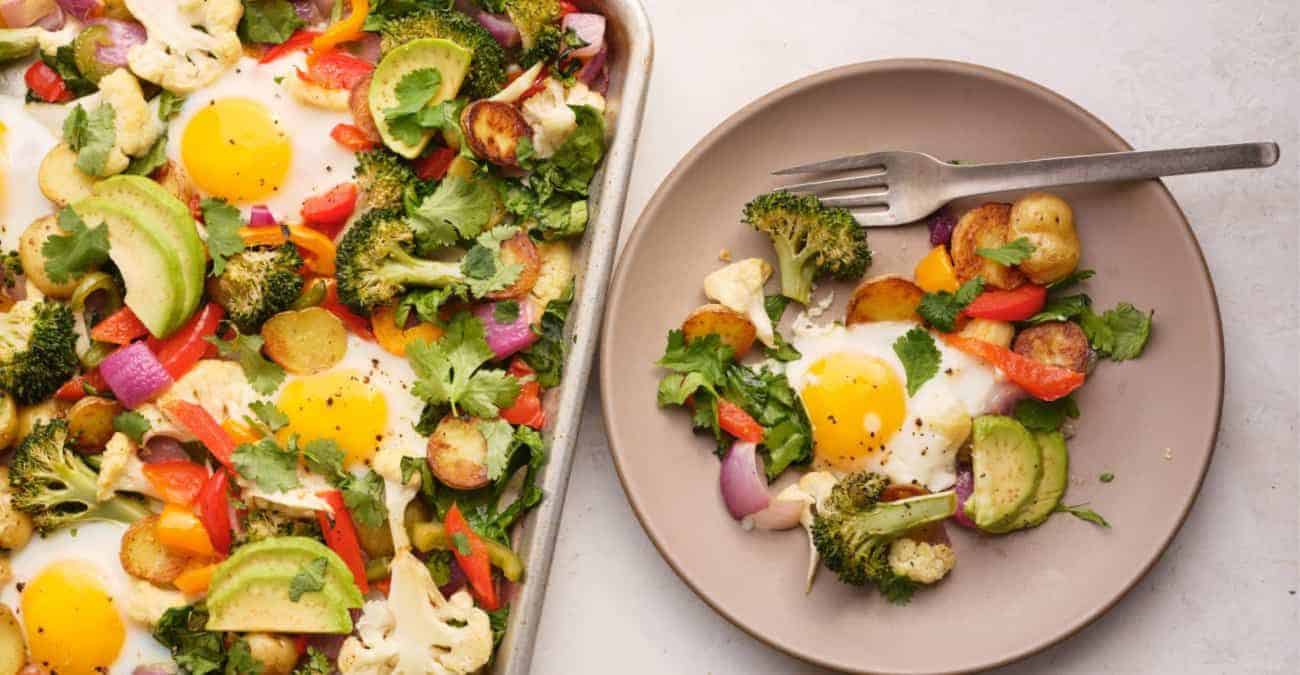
(857, 201)
(828, 184)
(875, 218)
(838, 164)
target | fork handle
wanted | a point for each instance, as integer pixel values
(968, 180)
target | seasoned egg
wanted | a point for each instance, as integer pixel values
(247, 140)
(854, 389)
(24, 142)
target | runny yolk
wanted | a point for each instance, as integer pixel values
(337, 405)
(856, 404)
(234, 149)
(72, 625)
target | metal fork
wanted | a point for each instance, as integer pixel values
(903, 187)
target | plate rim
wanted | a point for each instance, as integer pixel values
(793, 88)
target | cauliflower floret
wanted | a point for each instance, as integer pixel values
(397, 495)
(416, 630)
(121, 470)
(920, 561)
(219, 387)
(147, 603)
(190, 43)
(135, 125)
(550, 117)
(581, 94)
(740, 287)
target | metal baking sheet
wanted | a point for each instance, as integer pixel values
(631, 55)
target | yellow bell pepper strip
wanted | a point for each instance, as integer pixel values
(432, 535)
(181, 531)
(319, 249)
(194, 580)
(240, 432)
(341, 32)
(394, 340)
(935, 272)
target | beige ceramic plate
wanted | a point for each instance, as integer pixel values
(1151, 422)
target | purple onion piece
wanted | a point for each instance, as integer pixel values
(261, 216)
(53, 21)
(941, 224)
(594, 68)
(306, 10)
(84, 10)
(134, 374)
(744, 487)
(162, 449)
(964, 487)
(457, 581)
(122, 36)
(500, 27)
(590, 28)
(367, 48)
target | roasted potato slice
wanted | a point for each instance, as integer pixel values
(1048, 223)
(33, 260)
(174, 180)
(1059, 343)
(493, 130)
(13, 646)
(989, 330)
(555, 273)
(735, 329)
(884, 298)
(305, 341)
(983, 227)
(520, 250)
(458, 453)
(31, 415)
(60, 180)
(8, 421)
(277, 653)
(143, 555)
(16, 527)
(90, 423)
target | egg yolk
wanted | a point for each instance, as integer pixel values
(233, 149)
(855, 403)
(337, 405)
(72, 626)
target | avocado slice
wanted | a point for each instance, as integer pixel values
(148, 262)
(257, 600)
(17, 43)
(289, 554)
(148, 199)
(449, 59)
(1007, 465)
(1056, 475)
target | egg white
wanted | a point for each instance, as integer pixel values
(23, 145)
(393, 377)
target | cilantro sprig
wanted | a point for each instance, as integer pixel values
(1011, 253)
(942, 308)
(222, 222)
(920, 357)
(78, 251)
(449, 371)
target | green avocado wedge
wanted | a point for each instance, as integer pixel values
(448, 59)
(1056, 476)
(258, 600)
(149, 264)
(289, 554)
(1007, 465)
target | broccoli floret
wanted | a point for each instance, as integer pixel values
(37, 350)
(373, 264)
(487, 70)
(532, 17)
(547, 46)
(853, 531)
(56, 487)
(811, 240)
(262, 524)
(383, 177)
(258, 283)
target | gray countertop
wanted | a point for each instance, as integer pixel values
(1162, 73)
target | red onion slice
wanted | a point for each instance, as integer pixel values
(122, 36)
(780, 514)
(261, 216)
(500, 27)
(53, 21)
(744, 489)
(594, 68)
(1005, 397)
(590, 28)
(367, 48)
(507, 338)
(84, 10)
(964, 486)
(306, 10)
(941, 225)
(134, 374)
(162, 449)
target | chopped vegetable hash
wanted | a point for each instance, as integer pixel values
(275, 344)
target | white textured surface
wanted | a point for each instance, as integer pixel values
(1163, 74)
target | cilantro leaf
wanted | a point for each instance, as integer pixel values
(448, 370)
(1071, 279)
(461, 542)
(484, 268)
(194, 648)
(309, 579)
(457, 209)
(505, 312)
(150, 161)
(133, 424)
(920, 357)
(240, 661)
(414, 91)
(546, 356)
(315, 662)
(775, 306)
(264, 375)
(574, 163)
(1012, 253)
(500, 437)
(1120, 333)
(265, 463)
(77, 252)
(413, 465)
(92, 136)
(364, 497)
(1061, 308)
(1038, 415)
(268, 21)
(325, 457)
(1082, 512)
(707, 357)
(941, 309)
(269, 415)
(222, 222)
(169, 105)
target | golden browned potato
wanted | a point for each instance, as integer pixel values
(13, 646)
(493, 130)
(458, 453)
(173, 178)
(15, 526)
(884, 298)
(556, 272)
(989, 330)
(277, 653)
(33, 260)
(305, 341)
(1048, 223)
(735, 329)
(90, 423)
(983, 227)
(31, 415)
(8, 421)
(60, 180)
(520, 250)
(6, 572)
(1059, 343)
(143, 556)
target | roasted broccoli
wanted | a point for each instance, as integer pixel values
(853, 531)
(374, 266)
(258, 283)
(56, 487)
(262, 524)
(811, 240)
(37, 350)
(487, 70)
(383, 177)
(533, 17)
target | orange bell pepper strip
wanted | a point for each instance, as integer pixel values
(1043, 382)
(120, 328)
(734, 420)
(195, 580)
(181, 531)
(394, 340)
(345, 30)
(341, 536)
(193, 418)
(472, 556)
(240, 432)
(178, 481)
(319, 249)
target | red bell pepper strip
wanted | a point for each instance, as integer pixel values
(328, 212)
(1014, 305)
(567, 7)
(214, 510)
(341, 536)
(434, 165)
(46, 83)
(193, 418)
(75, 389)
(120, 328)
(527, 408)
(734, 420)
(472, 556)
(1042, 381)
(336, 70)
(301, 39)
(183, 349)
(351, 137)
(357, 324)
(178, 480)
